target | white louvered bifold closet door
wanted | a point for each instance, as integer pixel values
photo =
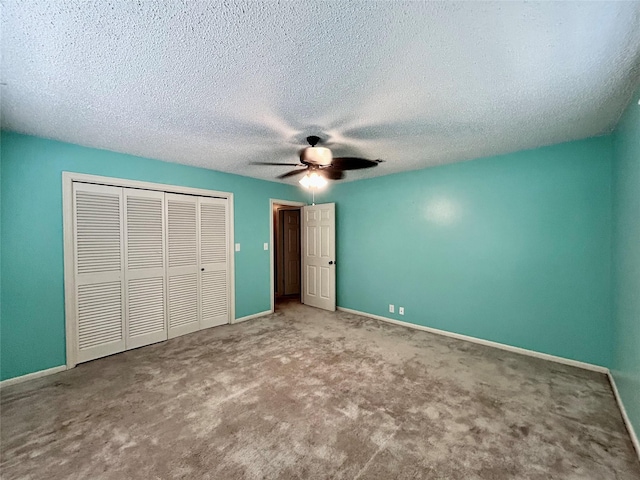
(214, 264)
(182, 259)
(99, 266)
(144, 238)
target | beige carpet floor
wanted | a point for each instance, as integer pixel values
(308, 394)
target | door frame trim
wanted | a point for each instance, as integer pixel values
(286, 203)
(68, 178)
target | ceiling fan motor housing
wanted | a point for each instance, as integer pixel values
(316, 156)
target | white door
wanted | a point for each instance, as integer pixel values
(318, 256)
(99, 266)
(144, 238)
(183, 302)
(214, 262)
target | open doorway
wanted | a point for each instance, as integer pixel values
(286, 252)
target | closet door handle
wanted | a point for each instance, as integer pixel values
(202, 269)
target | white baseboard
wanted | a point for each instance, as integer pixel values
(32, 376)
(625, 417)
(488, 343)
(251, 317)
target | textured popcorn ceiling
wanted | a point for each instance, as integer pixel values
(222, 84)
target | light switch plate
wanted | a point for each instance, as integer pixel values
(237, 247)
(391, 308)
(266, 246)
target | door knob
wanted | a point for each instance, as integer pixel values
(331, 262)
(202, 269)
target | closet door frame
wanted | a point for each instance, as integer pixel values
(68, 178)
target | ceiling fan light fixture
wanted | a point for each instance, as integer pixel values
(320, 165)
(316, 155)
(313, 180)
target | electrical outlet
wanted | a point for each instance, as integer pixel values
(401, 310)
(391, 308)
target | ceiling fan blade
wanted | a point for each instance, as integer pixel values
(275, 163)
(331, 173)
(352, 163)
(292, 172)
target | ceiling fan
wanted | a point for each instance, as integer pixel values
(319, 162)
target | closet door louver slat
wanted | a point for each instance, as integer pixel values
(214, 297)
(183, 300)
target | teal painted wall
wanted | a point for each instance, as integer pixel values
(515, 249)
(626, 259)
(32, 304)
